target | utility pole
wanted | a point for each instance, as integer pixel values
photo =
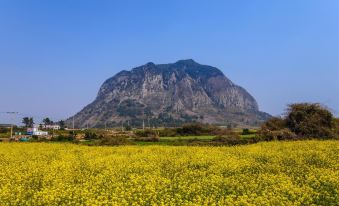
(143, 119)
(105, 125)
(12, 113)
(73, 122)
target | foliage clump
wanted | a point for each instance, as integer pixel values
(229, 137)
(109, 140)
(90, 135)
(63, 138)
(302, 120)
(247, 131)
(147, 135)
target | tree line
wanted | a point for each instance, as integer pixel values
(29, 122)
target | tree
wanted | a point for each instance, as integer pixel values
(302, 120)
(28, 121)
(47, 121)
(25, 121)
(62, 124)
(274, 123)
(310, 120)
(128, 128)
(31, 122)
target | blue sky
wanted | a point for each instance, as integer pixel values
(54, 55)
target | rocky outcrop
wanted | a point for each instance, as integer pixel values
(170, 94)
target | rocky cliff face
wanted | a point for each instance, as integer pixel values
(169, 95)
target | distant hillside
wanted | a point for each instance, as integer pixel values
(169, 95)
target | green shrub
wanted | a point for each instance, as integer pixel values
(229, 137)
(191, 129)
(146, 133)
(303, 120)
(195, 129)
(197, 142)
(35, 137)
(148, 139)
(281, 134)
(248, 131)
(63, 138)
(275, 123)
(128, 128)
(113, 141)
(310, 120)
(91, 135)
(168, 132)
(4, 130)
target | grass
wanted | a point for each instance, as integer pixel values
(175, 141)
(183, 140)
(5, 135)
(248, 136)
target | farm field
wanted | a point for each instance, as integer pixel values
(267, 173)
(176, 140)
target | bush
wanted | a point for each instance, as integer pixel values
(147, 133)
(128, 128)
(191, 129)
(195, 129)
(230, 138)
(221, 132)
(248, 131)
(275, 123)
(282, 134)
(148, 139)
(4, 130)
(168, 132)
(197, 142)
(113, 141)
(302, 120)
(310, 120)
(62, 138)
(35, 137)
(91, 135)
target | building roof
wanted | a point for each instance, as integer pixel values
(6, 125)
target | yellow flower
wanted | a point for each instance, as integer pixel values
(274, 173)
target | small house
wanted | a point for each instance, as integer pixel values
(51, 126)
(36, 131)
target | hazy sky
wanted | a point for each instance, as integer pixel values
(54, 55)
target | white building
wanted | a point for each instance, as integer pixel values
(51, 126)
(36, 131)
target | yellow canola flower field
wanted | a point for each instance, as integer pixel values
(274, 173)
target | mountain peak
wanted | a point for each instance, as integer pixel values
(187, 62)
(149, 64)
(185, 91)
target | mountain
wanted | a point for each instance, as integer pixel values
(169, 95)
